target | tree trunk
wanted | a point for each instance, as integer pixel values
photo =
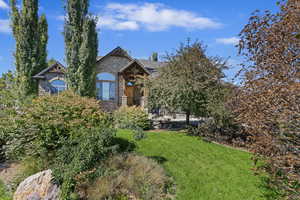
(188, 113)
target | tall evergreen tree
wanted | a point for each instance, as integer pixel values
(87, 56)
(81, 47)
(42, 47)
(15, 18)
(30, 43)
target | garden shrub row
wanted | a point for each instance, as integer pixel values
(230, 134)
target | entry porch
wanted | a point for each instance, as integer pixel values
(132, 90)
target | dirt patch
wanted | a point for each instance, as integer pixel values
(8, 171)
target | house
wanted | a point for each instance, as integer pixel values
(116, 78)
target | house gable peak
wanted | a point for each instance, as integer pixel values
(57, 67)
(118, 51)
(135, 61)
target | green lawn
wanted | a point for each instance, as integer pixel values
(202, 171)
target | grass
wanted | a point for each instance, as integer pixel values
(4, 195)
(202, 171)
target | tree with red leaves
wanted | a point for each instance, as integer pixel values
(269, 98)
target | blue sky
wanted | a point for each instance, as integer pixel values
(143, 27)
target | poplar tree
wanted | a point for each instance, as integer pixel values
(87, 56)
(31, 38)
(81, 45)
(42, 47)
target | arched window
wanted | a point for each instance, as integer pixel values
(58, 86)
(106, 86)
(106, 77)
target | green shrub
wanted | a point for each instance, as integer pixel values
(4, 194)
(74, 196)
(139, 134)
(71, 134)
(131, 117)
(210, 130)
(10, 102)
(40, 128)
(77, 158)
(130, 176)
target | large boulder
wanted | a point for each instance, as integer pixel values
(38, 187)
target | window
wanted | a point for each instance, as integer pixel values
(106, 77)
(58, 86)
(130, 83)
(106, 86)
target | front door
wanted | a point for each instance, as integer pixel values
(129, 92)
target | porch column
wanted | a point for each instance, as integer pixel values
(122, 86)
(144, 100)
(124, 101)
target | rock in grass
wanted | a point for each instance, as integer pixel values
(38, 187)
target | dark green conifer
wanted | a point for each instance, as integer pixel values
(81, 45)
(87, 56)
(42, 47)
(31, 40)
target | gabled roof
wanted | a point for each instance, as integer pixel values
(56, 67)
(116, 52)
(150, 67)
(152, 64)
(138, 63)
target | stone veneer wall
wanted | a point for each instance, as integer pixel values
(108, 106)
(44, 84)
(113, 64)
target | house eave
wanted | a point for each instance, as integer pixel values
(131, 63)
(113, 52)
(40, 74)
(38, 77)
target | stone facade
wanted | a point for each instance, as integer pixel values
(44, 84)
(118, 63)
(113, 65)
(45, 77)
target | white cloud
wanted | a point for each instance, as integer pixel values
(4, 26)
(3, 5)
(232, 40)
(114, 24)
(153, 17)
